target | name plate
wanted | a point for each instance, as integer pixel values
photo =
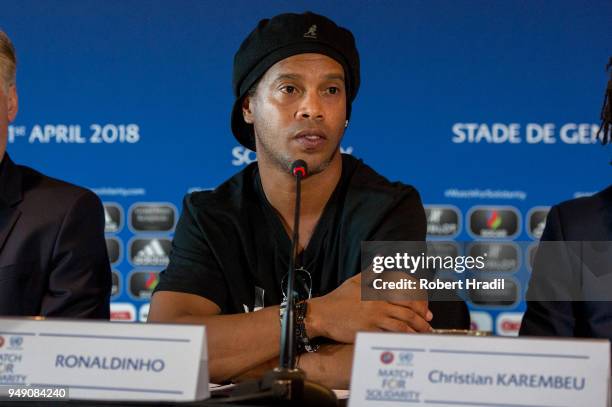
(450, 370)
(104, 360)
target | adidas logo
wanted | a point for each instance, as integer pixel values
(152, 254)
(109, 223)
(435, 215)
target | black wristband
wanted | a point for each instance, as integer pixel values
(304, 343)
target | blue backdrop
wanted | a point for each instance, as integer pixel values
(456, 99)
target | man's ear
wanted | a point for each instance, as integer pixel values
(12, 103)
(247, 112)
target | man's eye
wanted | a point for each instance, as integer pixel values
(333, 90)
(288, 89)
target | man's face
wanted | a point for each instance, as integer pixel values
(299, 111)
(8, 111)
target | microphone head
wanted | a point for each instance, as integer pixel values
(299, 167)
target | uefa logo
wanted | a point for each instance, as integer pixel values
(142, 283)
(443, 221)
(113, 248)
(494, 222)
(152, 217)
(387, 357)
(506, 297)
(536, 221)
(113, 217)
(150, 251)
(116, 284)
(499, 257)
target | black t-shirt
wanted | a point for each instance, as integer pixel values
(231, 247)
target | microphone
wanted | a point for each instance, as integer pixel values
(286, 384)
(299, 169)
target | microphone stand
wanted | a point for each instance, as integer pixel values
(286, 384)
(287, 359)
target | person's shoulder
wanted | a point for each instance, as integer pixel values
(584, 206)
(374, 192)
(55, 193)
(227, 196)
(370, 181)
(385, 210)
(583, 218)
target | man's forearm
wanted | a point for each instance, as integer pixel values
(330, 366)
(240, 342)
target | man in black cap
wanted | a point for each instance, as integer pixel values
(295, 77)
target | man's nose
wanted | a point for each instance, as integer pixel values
(311, 107)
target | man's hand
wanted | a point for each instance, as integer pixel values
(340, 314)
(330, 366)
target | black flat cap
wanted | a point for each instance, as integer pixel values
(281, 37)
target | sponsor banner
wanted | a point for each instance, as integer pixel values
(494, 222)
(122, 312)
(532, 250)
(150, 251)
(499, 256)
(143, 313)
(116, 284)
(481, 321)
(142, 283)
(508, 323)
(113, 217)
(506, 294)
(114, 250)
(452, 370)
(152, 217)
(536, 221)
(107, 361)
(443, 221)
